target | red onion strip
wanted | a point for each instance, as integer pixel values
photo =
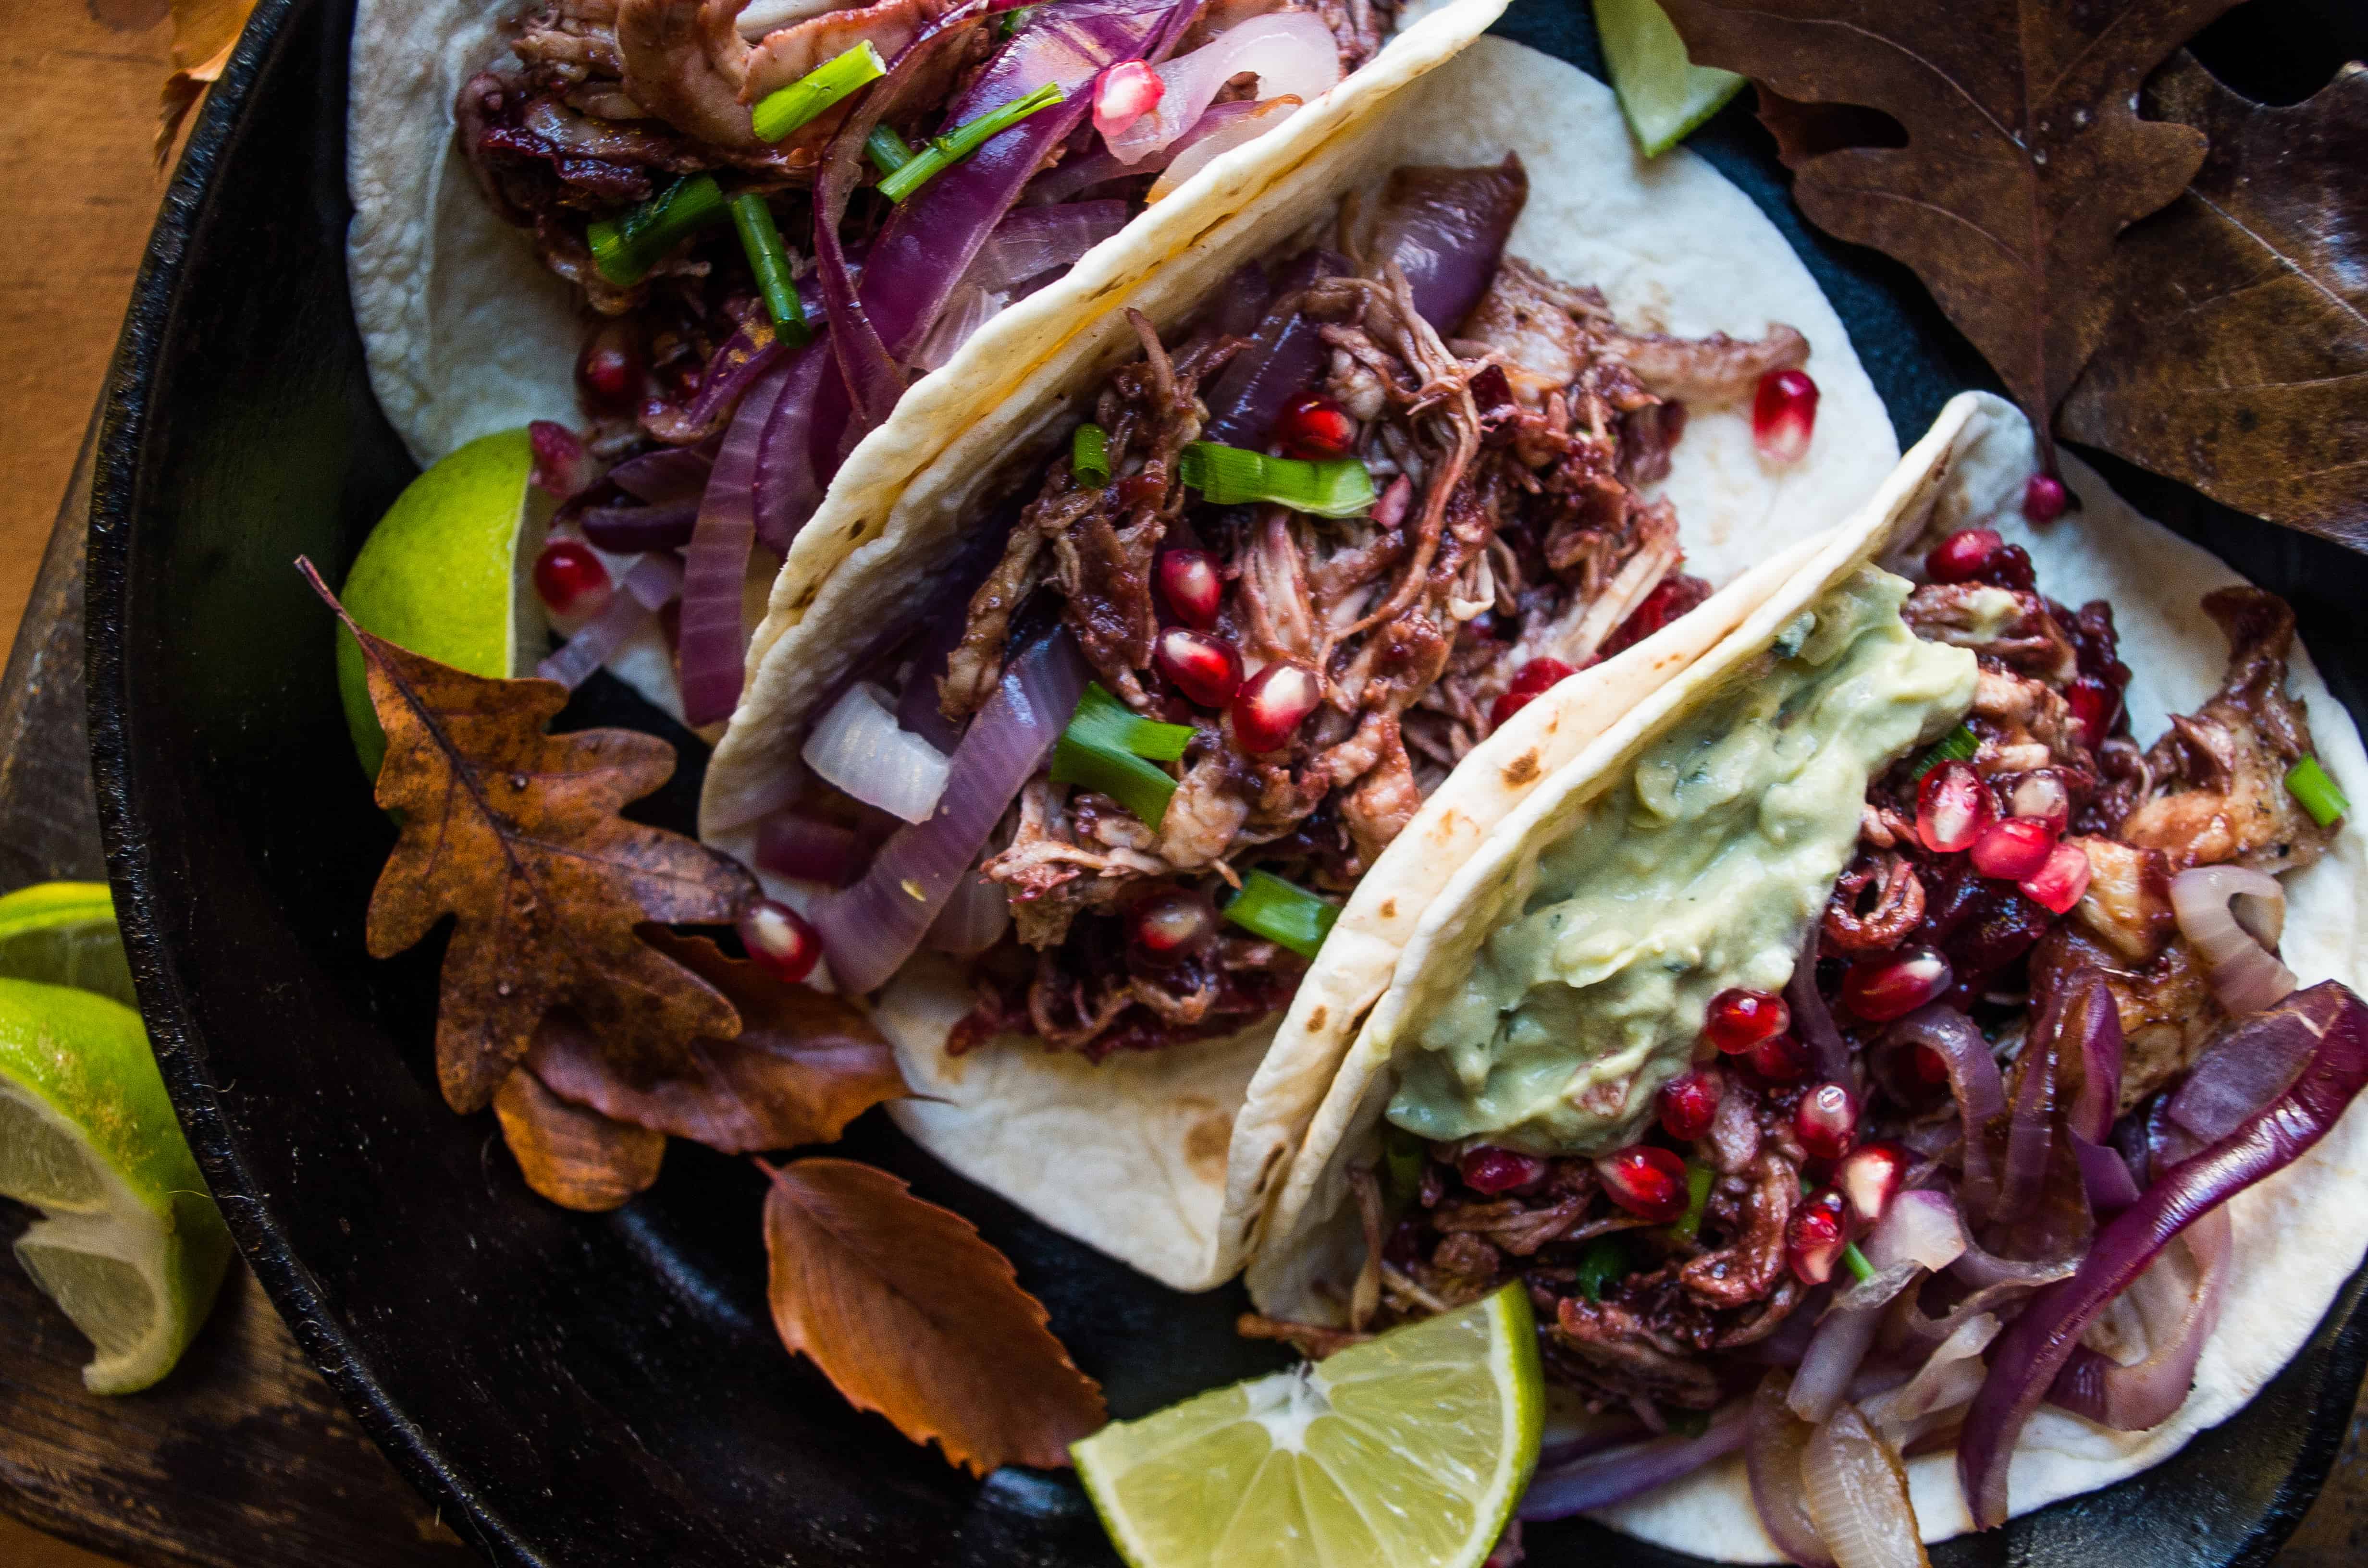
(1291, 52)
(2036, 1348)
(976, 914)
(792, 845)
(1844, 1336)
(1216, 134)
(1774, 1441)
(1858, 1495)
(2245, 975)
(714, 640)
(1813, 1021)
(2148, 1392)
(1974, 1079)
(1614, 1475)
(1921, 1227)
(654, 579)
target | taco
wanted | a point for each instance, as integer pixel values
(738, 232)
(1241, 596)
(1872, 1054)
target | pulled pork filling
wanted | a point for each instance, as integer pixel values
(1652, 1320)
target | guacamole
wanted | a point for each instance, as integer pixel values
(1699, 868)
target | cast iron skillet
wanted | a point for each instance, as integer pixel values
(582, 1390)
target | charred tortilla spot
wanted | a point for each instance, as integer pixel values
(1318, 1017)
(1521, 769)
(1389, 909)
(1205, 1142)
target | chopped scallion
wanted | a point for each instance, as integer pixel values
(1604, 1261)
(887, 151)
(1689, 1225)
(950, 148)
(1104, 748)
(2319, 794)
(762, 238)
(624, 249)
(1089, 455)
(1283, 912)
(780, 113)
(1402, 1157)
(1958, 745)
(1229, 476)
(1855, 1261)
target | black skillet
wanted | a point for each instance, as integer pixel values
(595, 1390)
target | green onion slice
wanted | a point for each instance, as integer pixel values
(2319, 794)
(1283, 912)
(1958, 745)
(624, 249)
(1855, 1261)
(1229, 476)
(1605, 1260)
(887, 151)
(1104, 748)
(762, 238)
(780, 113)
(1688, 1225)
(1089, 455)
(1402, 1156)
(952, 147)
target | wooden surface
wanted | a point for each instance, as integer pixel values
(243, 1458)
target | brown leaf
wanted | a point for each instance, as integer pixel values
(204, 32)
(571, 1154)
(2025, 154)
(515, 834)
(2240, 359)
(904, 1308)
(803, 1066)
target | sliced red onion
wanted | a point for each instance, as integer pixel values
(1032, 241)
(744, 358)
(1950, 1376)
(1978, 1267)
(968, 308)
(669, 473)
(2088, 1027)
(652, 581)
(2236, 946)
(1218, 132)
(790, 843)
(1974, 1079)
(976, 914)
(2106, 1176)
(1857, 1492)
(629, 530)
(1614, 1475)
(789, 486)
(2146, 1394)
(715, 642)
(1291, 52)
(870, 930)
(1445, 228)
(1281, 360)
(1813, 1021)
(1775, 1439)
(1843, 1337)
(2227, 1086)
(858, 746)
(1920, 1227)
(2036, 1348)
(2030, 1131)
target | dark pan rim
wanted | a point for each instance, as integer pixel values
(120, 459)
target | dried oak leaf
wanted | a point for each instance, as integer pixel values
(204, 32)
(570, 1153)
(2024, 157)
(803, 1066)
(515, 834)
(911, 1313)
(2238, 361)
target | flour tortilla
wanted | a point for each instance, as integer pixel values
(1675, 247)
(2297, 1237)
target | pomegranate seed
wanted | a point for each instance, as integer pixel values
(2013, 849)
(1894, 986)
(1952, 808)
(1869, 1178)
(1646, 1180)
(2058, 884)
(1128, 91)
(1168, 925)
(1785, 415)
(1491, 1170)
(1739, 1020)
(608, 372)
(570, 578)
(1273, 704)
(2095, 706)
(1960, 557)
(780, 940)
(1193, 585)
(1203, 665)
(2042, 797)
(1688, 1101)
(561, 465)
(2042, 498)
(2010, 567)
(1314, 426)
(1826, 1121)
(1780, 1058)
(1531, 680)
(1817, 1238)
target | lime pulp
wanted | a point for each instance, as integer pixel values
(1665, 95)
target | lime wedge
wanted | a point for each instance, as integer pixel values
(447, 573)
(1664, 94)
(63, 933)
(1406, 1451)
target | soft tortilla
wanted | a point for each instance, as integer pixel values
(1014, 1116)
(2298, 1236)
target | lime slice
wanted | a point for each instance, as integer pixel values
(1664, 94)
(447, 573)
(129, 1243)
(65, 933)
(1406, 1451)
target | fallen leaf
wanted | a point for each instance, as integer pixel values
(570, 1153)
(2024, 158)
(910, 1313)
(803, 1066)
(2238, 361)
(515, 834)
(204, 32)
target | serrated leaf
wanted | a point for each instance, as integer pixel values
(570, 1153)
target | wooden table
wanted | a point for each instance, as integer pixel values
(243, 1458)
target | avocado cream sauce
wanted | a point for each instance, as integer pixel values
(1699, 869)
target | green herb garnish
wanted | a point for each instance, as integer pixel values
(1283, 912)
(762, 238)
(1688, 1225)
(952, 147)
(1089, 455)
(778, 113)
(1229, 476)
(1104, 748)
(1605, 1260)
(624, 249)
(1958, 745)
(1855, 1261)
(2319, 794)
(887, 151)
